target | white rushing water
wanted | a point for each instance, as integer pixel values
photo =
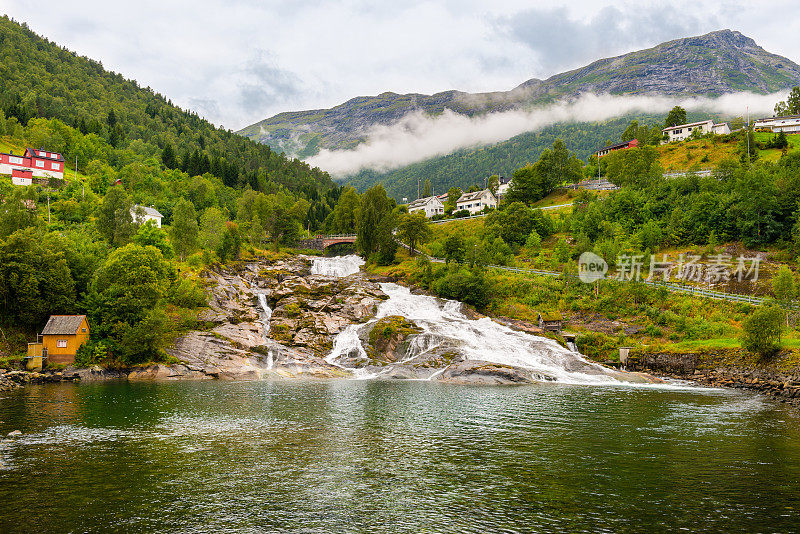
(338, 266)
(266, 312)
(443, 323)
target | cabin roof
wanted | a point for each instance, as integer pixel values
(63, 324)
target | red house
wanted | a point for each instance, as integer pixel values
(606, 150)
(22, 176)
(40, 162)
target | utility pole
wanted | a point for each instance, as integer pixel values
(748, 137)
(48, 206)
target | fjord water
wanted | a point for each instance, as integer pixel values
(395, 456)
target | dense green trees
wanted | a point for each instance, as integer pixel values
(790, 106)
(101, 115)
(516, 221)
(555, 166)
(414, 229)
(114, 218)
(35, 278)
(128, 294)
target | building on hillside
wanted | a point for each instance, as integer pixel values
(505, 185)
(61, 338)
(142, 214)
(682, 131)
(22, 176)
(789, 124)
(551, 321)
(606, 150)
(476, 202)
(41, 162)
(429, 205)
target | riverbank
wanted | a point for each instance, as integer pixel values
(729, 368)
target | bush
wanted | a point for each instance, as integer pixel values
(187, 294)
(92, 353)
(762, 331)
(463, 285)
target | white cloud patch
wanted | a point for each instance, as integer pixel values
(417, 136)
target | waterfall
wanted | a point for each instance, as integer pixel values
(571, 346)
(443, 322)
(337, 267)
(266, 312)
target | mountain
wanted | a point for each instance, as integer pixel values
(39, 79)
(713, 64)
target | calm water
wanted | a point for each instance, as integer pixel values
(349, 456)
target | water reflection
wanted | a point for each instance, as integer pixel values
(351, 456)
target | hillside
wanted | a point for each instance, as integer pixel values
(465, 168)
(39, 79)
(712, 64)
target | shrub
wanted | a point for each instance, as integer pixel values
(92, 353)
(761, 332)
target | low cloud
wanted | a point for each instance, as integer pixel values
(417, 136)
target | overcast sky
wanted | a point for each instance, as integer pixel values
(239, 61)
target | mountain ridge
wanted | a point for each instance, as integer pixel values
(712, 64)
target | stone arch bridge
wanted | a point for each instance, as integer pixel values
(321, 242)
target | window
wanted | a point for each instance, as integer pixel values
(61, 343)
(40, 163)
(14, 160)
(55, 166)
(83, 330)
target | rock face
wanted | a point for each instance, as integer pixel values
(308, 311)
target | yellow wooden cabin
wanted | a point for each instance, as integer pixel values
(62, 336)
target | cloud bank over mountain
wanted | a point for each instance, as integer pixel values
(417, 136)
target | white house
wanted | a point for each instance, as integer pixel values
(787, 124)
(142, 214)
(682, 131)
(505, 185)
(429, 205)
(475, 202)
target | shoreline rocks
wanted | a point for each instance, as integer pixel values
(732, 368)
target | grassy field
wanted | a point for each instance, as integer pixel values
(708, 153)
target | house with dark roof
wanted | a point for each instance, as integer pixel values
(41, 163)
(606, 150)
(476, 202)
(62, 336)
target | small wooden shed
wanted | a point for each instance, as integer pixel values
(551, 321)
(62, 336)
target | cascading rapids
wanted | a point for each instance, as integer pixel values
(443, 324)
(337, 267)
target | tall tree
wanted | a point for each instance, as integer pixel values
(184, 227)
(414, 229)
(114, 217)
(345, 213)
(375, 205)
(676, 116)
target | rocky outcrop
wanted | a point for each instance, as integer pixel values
(308, 311)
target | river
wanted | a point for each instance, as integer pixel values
(395, 456)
